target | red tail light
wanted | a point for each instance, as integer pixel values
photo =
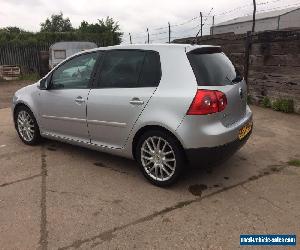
(207, 102)
(222, 100)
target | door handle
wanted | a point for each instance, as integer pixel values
(136, 101)
(79, 100)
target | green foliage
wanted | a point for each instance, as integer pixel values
(276, 105)
(109, 27)
(295, 162)
(249, 99)
(12, 34)
(57, 23)
(40, 38)
(284, 105)
(287, 106)
(266, 102)
(12, 29)
(103, 33)
(30, 77)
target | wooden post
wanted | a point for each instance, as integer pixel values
(254, 13)
(212, 27)
(148, 38)
(130, 38)
(247, 55)
(201, 22)
(169, 32)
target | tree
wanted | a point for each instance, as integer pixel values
(57, 23)
(108, 28)
(12, 29)
(104, 32)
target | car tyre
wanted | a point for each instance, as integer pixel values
(160, 157)
(26, 125)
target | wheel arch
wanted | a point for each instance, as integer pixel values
(17, 106)
(147, 128)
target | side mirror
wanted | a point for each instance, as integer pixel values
(44, 83)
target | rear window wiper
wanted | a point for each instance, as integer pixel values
(238, 78)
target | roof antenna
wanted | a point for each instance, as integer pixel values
(201, 26)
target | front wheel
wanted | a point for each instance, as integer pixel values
(160, 157)
(27, 126)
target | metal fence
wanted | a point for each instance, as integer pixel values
(26, 57)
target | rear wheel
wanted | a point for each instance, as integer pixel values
(161, 157)
(27, 126)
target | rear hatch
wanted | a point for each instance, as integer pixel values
(214, 70)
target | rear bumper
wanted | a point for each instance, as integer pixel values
(206, 156)
(208, 131)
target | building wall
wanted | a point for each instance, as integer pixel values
(274, 67)
(240, 28)
(290, 20)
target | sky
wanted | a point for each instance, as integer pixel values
(135, 16)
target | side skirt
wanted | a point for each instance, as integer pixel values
(87, 144)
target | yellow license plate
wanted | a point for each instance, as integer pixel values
(245, 130)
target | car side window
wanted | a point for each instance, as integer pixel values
(151, 71)
(75, 73)
(121, 68)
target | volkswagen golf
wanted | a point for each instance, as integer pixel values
(165, 105)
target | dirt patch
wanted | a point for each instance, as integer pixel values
(197, 189)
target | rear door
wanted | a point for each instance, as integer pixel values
(126, 81)
(214, 70)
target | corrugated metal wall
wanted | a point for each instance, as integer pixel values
(26, 57)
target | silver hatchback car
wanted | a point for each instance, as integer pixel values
(164, 105)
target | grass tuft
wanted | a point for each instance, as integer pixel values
(30, 77)
(284, 105)
(266, 102)
(294, 162)
(249, 99)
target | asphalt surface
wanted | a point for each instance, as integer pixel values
(58, 196)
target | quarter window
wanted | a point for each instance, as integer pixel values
(75, 73)
(151, 72)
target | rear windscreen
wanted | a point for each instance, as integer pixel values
(213, 68)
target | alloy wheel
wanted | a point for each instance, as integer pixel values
(25, 126)
(158, 158)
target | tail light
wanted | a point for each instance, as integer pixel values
(207, 102)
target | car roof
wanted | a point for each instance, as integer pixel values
(159, 47)
(155, 46)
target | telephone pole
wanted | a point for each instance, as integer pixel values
(213, 25)
(254, 13)
(169, 32)
(201, 22)
(148, 38)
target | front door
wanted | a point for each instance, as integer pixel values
(127, 80)
(62, 108)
